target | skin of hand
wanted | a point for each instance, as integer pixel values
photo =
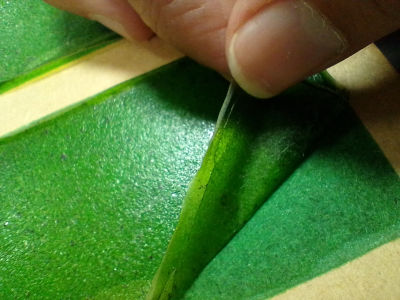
(265, 45)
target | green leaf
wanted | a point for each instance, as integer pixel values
(34, 34)
(256, 147)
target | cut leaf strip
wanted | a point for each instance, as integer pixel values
(54, 65)
(34, 34)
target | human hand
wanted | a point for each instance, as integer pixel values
(265, 45)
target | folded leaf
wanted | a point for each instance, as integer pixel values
(256, 147)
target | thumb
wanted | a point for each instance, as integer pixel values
(272, 44)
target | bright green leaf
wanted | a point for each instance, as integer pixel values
(89, 200)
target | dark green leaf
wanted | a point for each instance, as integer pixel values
(256, 147)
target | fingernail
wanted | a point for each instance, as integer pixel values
(281, 45)
(111, 24)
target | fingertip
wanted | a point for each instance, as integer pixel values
(116, 15)
(279, 46)
(250, 85)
